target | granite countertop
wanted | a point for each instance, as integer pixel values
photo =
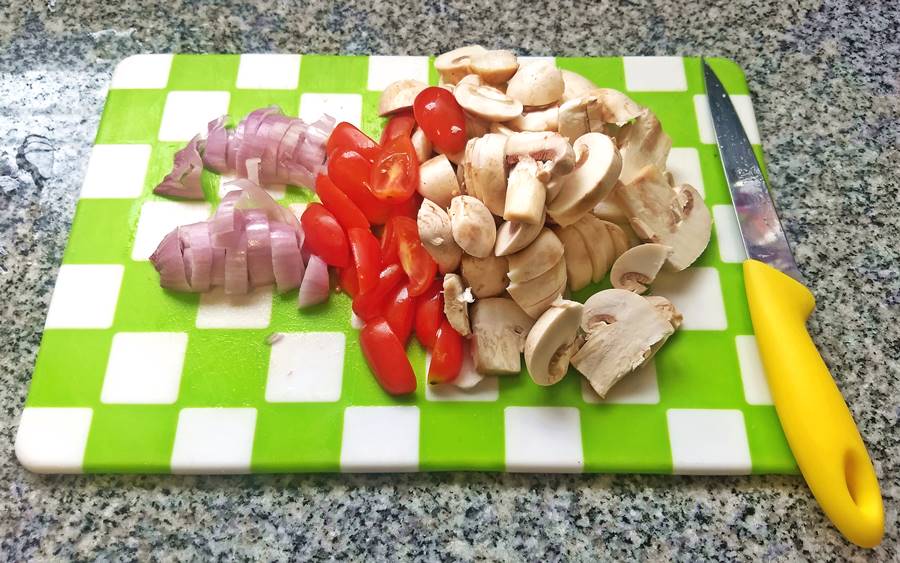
(824, 79)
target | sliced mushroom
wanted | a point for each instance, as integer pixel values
(538, 257)
(642, 142)
(599, 245)
(574, 117)
(502, 129)
(486, 276)
(595, 175)
(551, 150)
(576, 85)
(677, 218)
(437, 181)
(550, 343)
(485, 101)
(546, 119)
(485, 170)
(620, 239)
(436, 236)
(536, 84)
(637, 267)
(475, 126)
(422, 145)
(535, 296)
(454, 65)
(456, 304)
(615, 107)
(665, 307)
(609, 209)
(399, 95)
(499, 328)
(494, 67)
(454, 157)
(525, 194)
(579, 268)
(513, 236)
(472, 226)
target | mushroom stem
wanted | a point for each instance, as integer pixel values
(525, 194)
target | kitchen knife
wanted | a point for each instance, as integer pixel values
(815, 418)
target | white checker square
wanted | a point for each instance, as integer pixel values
(708, 441)
(526, 60)
(380, 439)
(85, 296)
(306, 367)
(342, 107)
(142, 71)
(753, 376)
(159, 218)
(268, 72)
(144, 368)
(52, 440)
(697, 294)
(638, 388)
(213, 440)
(728, 234)
(482, 388)
(116, 171)
(187, 113)
(277, 191)
(543, 440)
(384, 70)
(654, 74)
(744, 107)
(220, 310)
(684, 164)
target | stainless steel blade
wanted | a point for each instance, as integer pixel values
(760, 228)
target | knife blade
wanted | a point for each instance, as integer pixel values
(816, 421)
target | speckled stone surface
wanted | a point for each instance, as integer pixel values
(824, 79)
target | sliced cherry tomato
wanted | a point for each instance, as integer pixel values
(346, 136)
(401, 123)
(395, 174)
(446, 356)
(389, 244)
(366, 253)
(409, 208)
(369, 305)
(348, 282)
(386, 356)
(441, 118)
(400, 312)
(416, 261)
(429, 314)
(342, 207)
(325, 236)
(350, 172)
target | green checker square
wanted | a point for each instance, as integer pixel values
(522, 390)
(162, 158)
(360, 386)
(131, 116)
(433, 75)
(331, 74)
(70, 368)
(605, 72)
(225, 368)
(101, 232)
(144, 305)
(769, 449)
(699, 369)
(737, 310)
(297, 194)
(203, 72)
(298, 437)
(461, 436)
(131, 439)
(244, 101)
(728, 72)
(372, 123)
(331, 316)
(675, 111)
(714, 184)
(625, 439)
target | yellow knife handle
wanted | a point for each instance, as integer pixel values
(815, 418)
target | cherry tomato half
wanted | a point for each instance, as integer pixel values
(366, 255)
(416, 261)
(446, 356)
(350, 172)
(369, 305)
(395, 174)
(324, 235)
(346, 136)
(347, 280)
(387, 357)
(429, 314)
(342, 207)
(401, 123)
(441, 118)
(389, 244)
(400, 312)
(409, 208)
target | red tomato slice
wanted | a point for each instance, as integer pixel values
(441, 118)
(369, 305)
(409, 208)
(387, 357)
(366, 258)
(417, 263)
(350, 172)
(446, 356)
(429, 314)
(325, 236)
(395, 174)
(348, 282)
(346, 136)
(401, 123)
(342, 207)
(400, 312)
(389, 244)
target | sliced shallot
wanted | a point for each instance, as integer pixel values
(184, 179)
(315, 287)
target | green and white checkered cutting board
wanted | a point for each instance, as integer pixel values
(131, 378)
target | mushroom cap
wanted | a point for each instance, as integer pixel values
(579, 268)
(513, 236)
(494, 67)
(536, 295)
(456, 304)
(422, 145)
(637, 267)
(501, 129)
(546, 119)
(499, 328)
(615, 107)
(485, 170)
(485, 101)
(599, 164)
(472, 226)
(475, 126)
(574, 117)
(454, 65)
(437, 181)
(549, 344)
(399, 95)
(486, 276)
(575, 85)
(642, 143)
(538, 257)
(536, 84)
(437, 237)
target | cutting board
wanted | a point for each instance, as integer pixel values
(131, 378)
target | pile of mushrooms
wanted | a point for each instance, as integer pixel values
(560, 184)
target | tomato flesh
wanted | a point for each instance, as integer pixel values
(347, 280)
(372, 304)
(342, 207)
(416, 261)
(387, 358)
(324, 235)
(346, 136)
(389, 244)
(401, 123)
(446, 356)
(366, 255)
(409, 208)
(350, 172)
(441, 118)
(429, 314)
(395, 173)
(400, 312)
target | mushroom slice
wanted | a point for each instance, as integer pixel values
(642, 142)
(456, 304)
(575, 85)
(536, 84)
(485, 101)
(499, 328)
(485, 170)
(421, 144)
(437, 181)
(609, 209)
(550, 343)
(535, 295)
(536, 120)
(551, 150)
(399, 95)
(677, 218)
(475, 126)
(486, 276)
(502, 129)
(600, 248)
(436, 236)
(595, 175)
(454, 65)
(494, 67)
(525, 194)
(619, 237)
(615, 107)
(637, 267)
(579, 268)
(665, 308)
(513, 236)
(472, 226)
(538, 257)
(574, 118)
(623, 330)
